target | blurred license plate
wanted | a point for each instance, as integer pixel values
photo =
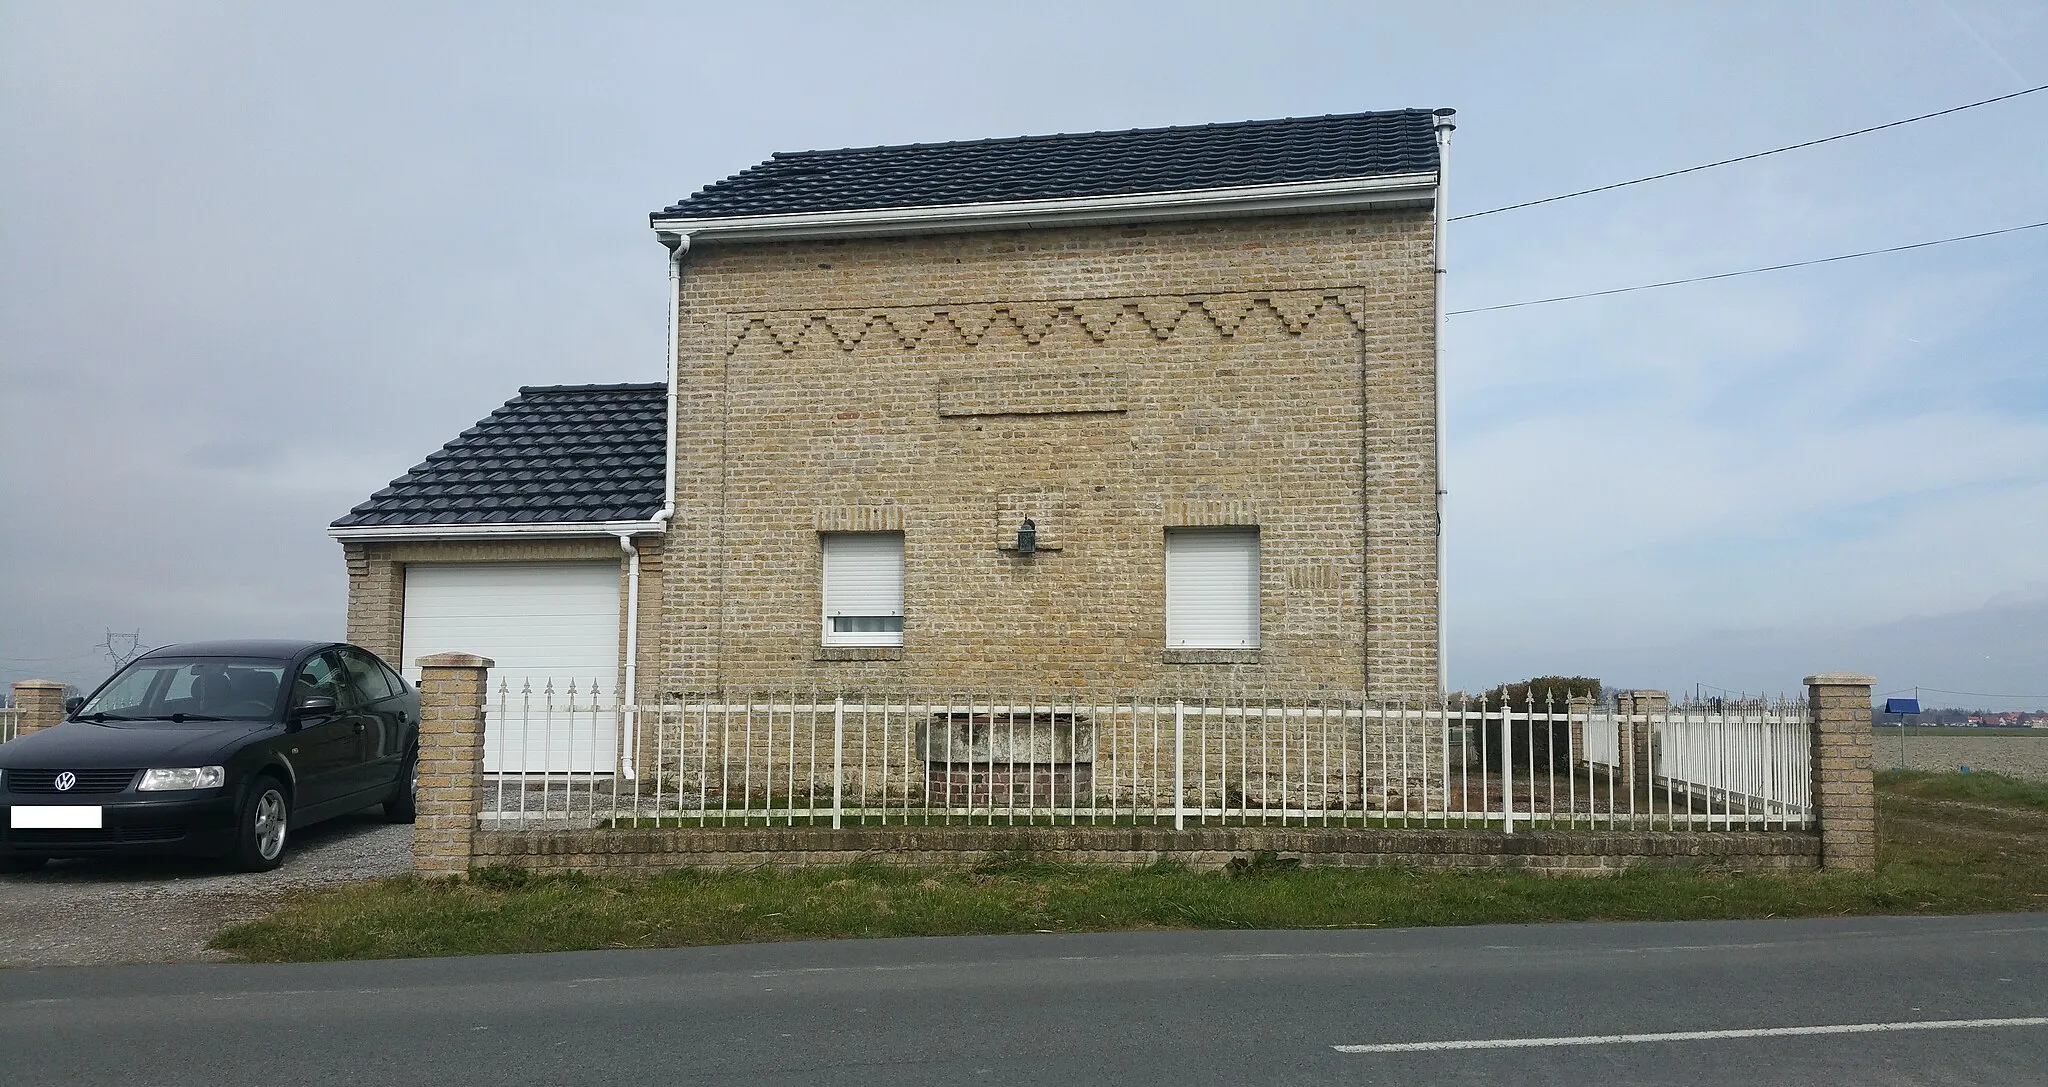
(48, 817)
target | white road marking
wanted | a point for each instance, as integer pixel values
(1689, 1035)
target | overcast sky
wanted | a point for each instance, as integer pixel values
(256, 260)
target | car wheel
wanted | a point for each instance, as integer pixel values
(264, 826)
(403, 806)
(22, 864)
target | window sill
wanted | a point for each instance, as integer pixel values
(1212, 656)
(857, 653)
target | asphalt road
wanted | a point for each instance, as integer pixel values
(1142, 1008)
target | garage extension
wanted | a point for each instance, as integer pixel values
(519, 540)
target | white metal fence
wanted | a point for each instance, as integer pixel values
(1068, 759)
(10, 722)
(543, 728)
(1737, 757)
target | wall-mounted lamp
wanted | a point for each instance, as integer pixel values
(1027, 537)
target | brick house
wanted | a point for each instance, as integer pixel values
(1151, 409)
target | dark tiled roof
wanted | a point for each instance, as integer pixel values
(1144, 160)
(552, 453)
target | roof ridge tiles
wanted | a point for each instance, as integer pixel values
(1215, 126)
(617, 386)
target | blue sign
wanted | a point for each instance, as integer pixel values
(1902, 705)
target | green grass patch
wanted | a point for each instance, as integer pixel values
(1979, 787)
(1936, 856)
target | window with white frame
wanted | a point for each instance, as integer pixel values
(863, 588)
(1212, 588)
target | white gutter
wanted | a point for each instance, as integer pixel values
(538, 530)
(631, 693)
(1445, 124)
(1289, 198)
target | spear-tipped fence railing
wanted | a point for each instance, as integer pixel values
(571, 755)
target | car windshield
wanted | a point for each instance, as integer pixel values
(179, 689)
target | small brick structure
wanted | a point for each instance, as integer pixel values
(1029, 758)
(1844, 789)
(452, 690)
(1639, 763)
(1008, 784)
(41, 702)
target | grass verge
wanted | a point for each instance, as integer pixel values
(1974, 852)
(1981, 788)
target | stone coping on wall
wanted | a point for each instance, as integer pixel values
(1560, 852)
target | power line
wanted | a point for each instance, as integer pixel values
(1749, 271)
(1980, 694)
(1746, 158)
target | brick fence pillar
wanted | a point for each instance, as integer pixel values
(41, 702)
(452, 691)
(1579, 710)
(1844, 793)
(1638, 767)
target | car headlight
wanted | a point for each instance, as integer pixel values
(190, 777)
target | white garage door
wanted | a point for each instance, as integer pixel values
(543, 623)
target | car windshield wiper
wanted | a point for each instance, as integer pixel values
(179, 718)
(96, 718)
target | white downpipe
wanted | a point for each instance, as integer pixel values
(1445, 125)
(677, 251)
(632, 685)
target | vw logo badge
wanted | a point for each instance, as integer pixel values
(66, 781)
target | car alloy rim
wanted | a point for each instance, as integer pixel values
(270, 823)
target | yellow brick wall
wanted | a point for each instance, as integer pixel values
(1114, 381)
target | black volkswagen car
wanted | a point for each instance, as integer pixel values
(213, 749)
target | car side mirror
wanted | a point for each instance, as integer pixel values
(312, 707)
(73, 705)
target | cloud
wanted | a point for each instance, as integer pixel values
(259, 260)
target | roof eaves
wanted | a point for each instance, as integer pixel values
(471, 528)
(1382, 190)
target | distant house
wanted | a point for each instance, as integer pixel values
(1147, 409)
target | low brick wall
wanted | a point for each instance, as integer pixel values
(1558, 852)
(448, 839)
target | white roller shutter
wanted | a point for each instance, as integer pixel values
(1212, 588)
(863, 588)
(544, 624)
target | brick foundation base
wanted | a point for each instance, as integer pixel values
(1555, 852)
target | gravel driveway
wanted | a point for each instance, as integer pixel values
(95, 912)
